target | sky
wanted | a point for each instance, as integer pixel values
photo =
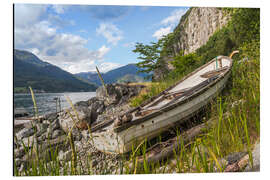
(77, 38)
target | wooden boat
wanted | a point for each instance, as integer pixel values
(174, 105)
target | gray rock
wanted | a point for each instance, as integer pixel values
(66, 122)
(19, 153)
(117, 93)
(78, 144)
(42, 138)
(41, 129)
(234, 157)
(77, 136)
(30, 141)
(55, 125)
(22, 167)
(30, 124)
(96, 108)
(256, 159)
(82, 104)
(25, 132)
(51, 117)
(85, 134)
(57, 133)
(65, 156)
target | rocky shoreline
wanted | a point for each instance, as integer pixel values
(49, 134)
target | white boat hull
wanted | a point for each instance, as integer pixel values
(121, 142)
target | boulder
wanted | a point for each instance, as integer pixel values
(96, 108)
(25, 132)
(88, 111)
(65, 156)
(56, 133)
(30, 141)
(41, 129)
(117, 93)
(18, 153)
(55, 125)
(51, 117)
(256, 159)
(66, 122)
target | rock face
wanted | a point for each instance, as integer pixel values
(193, 31)
(197, 27)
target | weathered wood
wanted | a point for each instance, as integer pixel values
(214, 72)
(158, 153)
(149, 125)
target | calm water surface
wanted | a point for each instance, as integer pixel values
(46, 103)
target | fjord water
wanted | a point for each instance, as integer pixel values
(46, 103)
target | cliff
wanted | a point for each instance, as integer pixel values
(193, 31)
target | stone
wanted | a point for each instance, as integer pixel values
(65, 156)
(41, 129)
(96, 109)
(66, 122)
(30, 141)
(25, 132)
(234, 157)
(77, 136)
(30, 124)
(51, 117)
(117, 93)
(42, 138)
(55, 125)
(19, 153)
(82, 104)
(256, 159)
(56, 133)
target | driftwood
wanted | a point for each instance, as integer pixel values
(238, 166)
(158, 153)
(164, 150)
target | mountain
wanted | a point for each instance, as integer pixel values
(128, 72)
(29, 70)
(130, 78)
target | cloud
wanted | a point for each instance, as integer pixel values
(107, 66)
(60, 9)
(110, 32)
(65, 50)
(102, 51)
(175, 17)
(41, 36)
(58, 22)
(27, 14)
(169, 23)
(162, 32)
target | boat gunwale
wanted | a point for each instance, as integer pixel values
(172, 106)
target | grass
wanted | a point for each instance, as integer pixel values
(235, 132)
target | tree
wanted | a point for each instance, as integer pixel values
(149, 54)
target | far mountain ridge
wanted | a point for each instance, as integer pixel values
(29, 70)
(127, 73)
